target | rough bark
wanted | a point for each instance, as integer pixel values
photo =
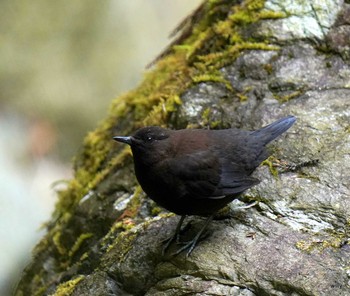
(236, 63)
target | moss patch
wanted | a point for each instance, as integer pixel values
(319, 245)
(66, 288)
(81, 239)
(270, 163)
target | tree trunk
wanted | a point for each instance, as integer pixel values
(234, 64)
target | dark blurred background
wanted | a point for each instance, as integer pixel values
(61, 64)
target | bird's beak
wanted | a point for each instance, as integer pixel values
(126, 140)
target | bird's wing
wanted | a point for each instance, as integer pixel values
(203, 175)
(234, 178)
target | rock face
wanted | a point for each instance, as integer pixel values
(296, 240)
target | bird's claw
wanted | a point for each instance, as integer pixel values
(167, 242)
(189, 246)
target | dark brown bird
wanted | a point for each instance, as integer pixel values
(198, 171)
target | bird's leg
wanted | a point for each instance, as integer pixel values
(175, 236)
(192, 243)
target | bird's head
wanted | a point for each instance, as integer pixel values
(148, 143)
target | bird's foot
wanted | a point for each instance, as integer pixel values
(190, 245)
(167, 242)
(176, 236)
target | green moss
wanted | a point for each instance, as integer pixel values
(270, 163)
(303, 246)
(207, 120)
(308, 176)
(290, 96)
(206, 115)
(242, 97)
(319, 245)
(66, 288)
(124, 244)
(215, 77)
(83, 237)
(40, 291)
(56, 238)
(135, 202)
(268, 68)
(38, 282)
(334, 239)
(156, 210)
(265, 14)
(125, 220)
(123, 241)
(84, 256)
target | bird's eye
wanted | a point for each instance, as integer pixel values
(149, 139)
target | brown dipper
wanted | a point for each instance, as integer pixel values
(198, 171)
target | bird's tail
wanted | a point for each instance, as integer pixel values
(273, 130)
